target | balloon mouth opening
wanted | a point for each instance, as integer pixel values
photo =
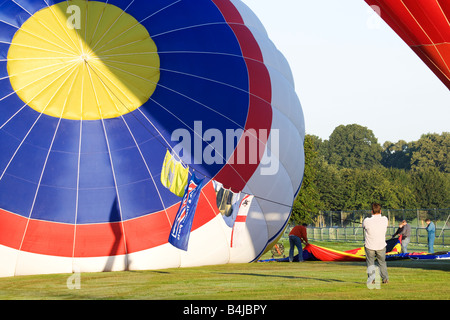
(85, 61)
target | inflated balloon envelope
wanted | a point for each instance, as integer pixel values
(424, 25)
(91, 93)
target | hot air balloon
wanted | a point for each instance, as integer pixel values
(94, 95)
(424, 26)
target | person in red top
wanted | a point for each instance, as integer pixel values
(297, 235)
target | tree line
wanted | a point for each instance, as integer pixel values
(351, 170)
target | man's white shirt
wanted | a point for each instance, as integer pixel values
(375, 229)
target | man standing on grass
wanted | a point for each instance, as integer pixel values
(431, 230)
(405, 231)
(375, 229)
(297, 235)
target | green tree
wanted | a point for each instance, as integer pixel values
(353, 146)
(432, 150)
(396, 155)
(432, 188)
(351, 170)
(308, 199)
(356, 189)
(365, 186)
(329, 185)
(319, 146)
(403, 187)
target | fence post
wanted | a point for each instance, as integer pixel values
(417, 215)
(417, 234)
(389, 215)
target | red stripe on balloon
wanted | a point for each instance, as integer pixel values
(101, 239)
(236, 173)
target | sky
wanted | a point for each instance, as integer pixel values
(350, 67)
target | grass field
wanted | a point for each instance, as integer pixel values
(409, 280)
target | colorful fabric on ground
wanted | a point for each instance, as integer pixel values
(326, 254)
(313, 252)
(393, 246)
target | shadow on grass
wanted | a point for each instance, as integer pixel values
(442, 265)
(283, 277)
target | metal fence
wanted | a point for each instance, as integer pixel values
(347, 225)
